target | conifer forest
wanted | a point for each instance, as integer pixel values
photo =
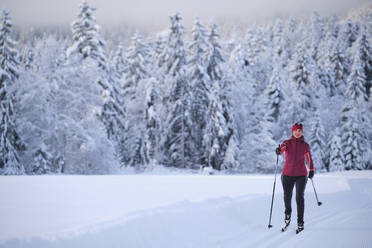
(85, 102)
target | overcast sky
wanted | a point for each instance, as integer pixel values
(147, 13)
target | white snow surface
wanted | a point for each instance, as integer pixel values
(181, 211)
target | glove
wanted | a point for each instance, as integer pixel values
(311, 174)
(278, 150)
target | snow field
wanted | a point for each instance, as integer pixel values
(180, 211)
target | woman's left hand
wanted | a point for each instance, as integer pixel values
(311, 174)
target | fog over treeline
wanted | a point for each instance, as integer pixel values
(151, 14)
(120, 19)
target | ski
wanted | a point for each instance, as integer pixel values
(285, 228)
(298, 230)
(287, 221)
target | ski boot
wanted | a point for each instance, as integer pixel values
(287, 220)
(300, 227)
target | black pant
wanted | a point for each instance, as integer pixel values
(288, 183)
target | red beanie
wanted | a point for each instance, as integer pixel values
(297, 126)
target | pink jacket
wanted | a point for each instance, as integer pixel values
(296, 150)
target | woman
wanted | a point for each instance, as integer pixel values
(295, 173)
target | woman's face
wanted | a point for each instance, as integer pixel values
(297, 133)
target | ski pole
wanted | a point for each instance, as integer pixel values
(319, 203)
(272, 198)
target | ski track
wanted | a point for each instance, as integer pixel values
(342, 221)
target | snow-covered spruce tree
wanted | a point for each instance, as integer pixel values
(323, 80)
(176, 145)
(255, 44)
(260, 147)
(171, 57)
(364, 53)
(152, 123)
(322, 72)
(317, 33)
(317, 142)
(231, 156)
(280, 42)
(119, 61)
(259, 60)
(333, 25)
(274, 93)
(356, 81)
(242, 104)
(135, 80)
(155, 52)
(89, 45)
(292, 24)
(200, 92)
(256, 154)
(328, 75)
(240, 71)
(86, 35)
(10, 142)
(214, 129)
(222, 85)
(349, 32)
(42, 162)
(114, 112)
(259, 141)
(215, 58)
(87, 41)
(277, 35)
(338, 64)
(292, 112)
(29, 59)
(302, 78)
(335, 152)
(137, 66)
(293, 34)
(238, 66)
(354, 137)
(302, 66)
(299, 103)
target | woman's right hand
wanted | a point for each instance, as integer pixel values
(278, 150)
